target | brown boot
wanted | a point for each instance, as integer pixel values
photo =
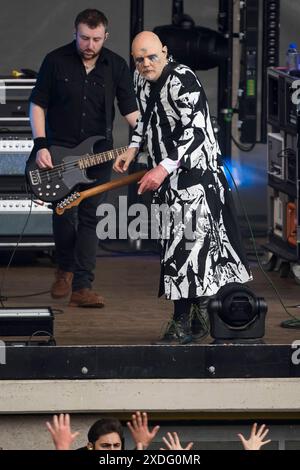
(86, 298)
(62, 285)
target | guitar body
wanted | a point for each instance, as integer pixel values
(52, 185)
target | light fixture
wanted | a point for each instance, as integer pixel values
(237, 314)
(195, 46)
(26, 322)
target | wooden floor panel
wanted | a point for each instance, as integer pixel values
(133, 314)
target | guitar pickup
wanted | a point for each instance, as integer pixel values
(35, 177)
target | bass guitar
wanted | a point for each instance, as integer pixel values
(69, 168)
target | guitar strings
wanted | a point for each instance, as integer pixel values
(72, 163)
(61, 167)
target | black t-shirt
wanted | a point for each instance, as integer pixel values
(76, 101)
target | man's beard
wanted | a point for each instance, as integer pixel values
(89, 56)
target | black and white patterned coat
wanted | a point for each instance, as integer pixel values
(180, 133)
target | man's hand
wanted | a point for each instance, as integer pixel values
(152, 179)
(123, 161)
(43, 159)
(61, 433)
(173, 442)
(141, 434)
(256, 439)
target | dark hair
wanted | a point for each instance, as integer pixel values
(105, 426)
(92, 18)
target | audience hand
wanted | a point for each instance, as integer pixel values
(256, 439)
(61, 433)
(138, 426)
(173, 442)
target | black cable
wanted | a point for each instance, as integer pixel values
(14, 252)
(286, 152)
(38, 333)
(27, 295)
(296, 320)
(241, 146)
(4, 298)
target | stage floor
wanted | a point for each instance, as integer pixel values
(133, 314)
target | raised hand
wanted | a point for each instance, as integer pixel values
(138, 426)
(256, 439)
(61, 432)
(173, 442)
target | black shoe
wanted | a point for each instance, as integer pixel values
(183, 328)
(178, 332)
(169, 336)
(200, 319)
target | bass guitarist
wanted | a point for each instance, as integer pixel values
(74, 99)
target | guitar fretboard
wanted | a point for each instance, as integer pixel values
(92, 160)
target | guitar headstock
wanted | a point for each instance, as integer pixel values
(70, 201)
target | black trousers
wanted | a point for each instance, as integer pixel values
(75, 233)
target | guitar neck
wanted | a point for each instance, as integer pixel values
(97, 158)
(76, 198)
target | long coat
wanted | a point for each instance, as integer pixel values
(196, 192)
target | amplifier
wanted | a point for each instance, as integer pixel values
(282, 102)
(291, 158)
(14, 152)
(26, 322)
(16, 209)
(18, 213)
(14, 100)
(276, 158)
(15, 145)
(278, 213)
(278, 217)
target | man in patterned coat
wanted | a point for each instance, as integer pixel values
(186, 174)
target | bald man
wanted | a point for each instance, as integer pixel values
(186, 174)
